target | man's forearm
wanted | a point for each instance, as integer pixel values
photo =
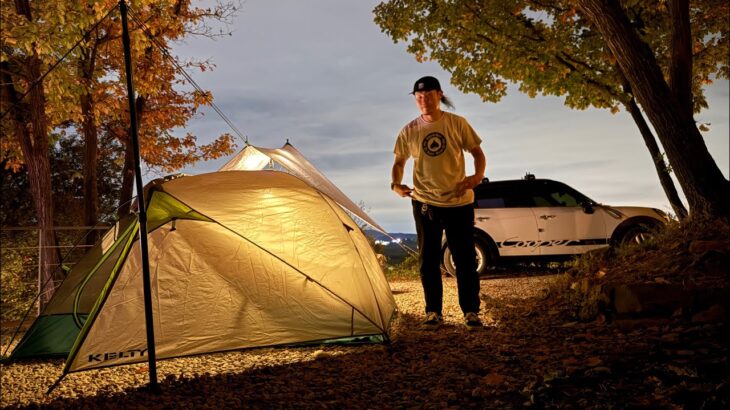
(480, 163)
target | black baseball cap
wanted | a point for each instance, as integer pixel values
(426, 83)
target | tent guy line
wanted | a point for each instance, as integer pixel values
(185, 74)
(53, 67)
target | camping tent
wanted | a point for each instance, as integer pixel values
(237, 259)
(253, 158)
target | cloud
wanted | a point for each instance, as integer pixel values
(321, 74)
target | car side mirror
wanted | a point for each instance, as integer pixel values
(587, 207)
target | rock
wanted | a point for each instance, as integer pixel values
(715, 314)
(628, 325)
(650, 298)
(493, 379)
(625, 301)
(382, 260)
(701, 247)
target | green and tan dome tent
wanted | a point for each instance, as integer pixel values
(238, 259)
(54, 331)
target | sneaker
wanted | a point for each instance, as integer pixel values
(472, 321)
(433, 321)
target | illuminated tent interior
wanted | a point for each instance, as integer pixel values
(238, 259)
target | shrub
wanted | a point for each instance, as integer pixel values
(19, 286)
(408, 269)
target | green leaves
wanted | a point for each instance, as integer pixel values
(546, 47)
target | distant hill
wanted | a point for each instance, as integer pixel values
(382, 237)
(390, 248)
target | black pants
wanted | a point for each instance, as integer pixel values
(458, 223)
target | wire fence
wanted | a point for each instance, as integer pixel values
(21, 263)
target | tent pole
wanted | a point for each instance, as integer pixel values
(151, 355)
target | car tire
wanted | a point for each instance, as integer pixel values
(483, 258)
(637, 234)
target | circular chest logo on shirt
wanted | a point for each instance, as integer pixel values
(434, 144)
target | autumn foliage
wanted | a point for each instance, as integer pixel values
(61, 67)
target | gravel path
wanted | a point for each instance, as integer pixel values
(526, 356)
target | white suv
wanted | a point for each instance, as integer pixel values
(543, 219)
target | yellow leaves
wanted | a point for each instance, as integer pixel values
(99, 8)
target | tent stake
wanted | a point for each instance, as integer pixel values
(151, 355)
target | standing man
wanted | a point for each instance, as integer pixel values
(442, 197)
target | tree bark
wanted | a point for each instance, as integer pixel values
(128, 170)
(30, 126)
(125, 194)
(662, 170)
(30, 130)
(91, 144)
(680, 69)
(706, 189)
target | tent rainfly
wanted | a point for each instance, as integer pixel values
(237, 259)
(253, 158)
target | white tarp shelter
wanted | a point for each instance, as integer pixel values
(253, 158)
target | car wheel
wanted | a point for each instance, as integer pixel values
(637, 234)
(482, 258)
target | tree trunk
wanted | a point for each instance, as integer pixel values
(125, 195)
(91, 145)
(30, 126)
(128, 170)
(661, 167)
(680, 70)
(31, 132)
(706, 189)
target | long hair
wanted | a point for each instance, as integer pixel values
(447, 101)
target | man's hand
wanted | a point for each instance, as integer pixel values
(467, 183)
(402, 190)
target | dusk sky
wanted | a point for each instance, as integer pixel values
(321, 74)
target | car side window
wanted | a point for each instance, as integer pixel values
(541, 201)
(518, 200)
(559, 194)
(513, 195)
(527, 194)
(564, 199)
(490, 203)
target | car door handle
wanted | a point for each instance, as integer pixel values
(546, 217)
(482, 218)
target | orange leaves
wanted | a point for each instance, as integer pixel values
(202, 98)
(567, 15)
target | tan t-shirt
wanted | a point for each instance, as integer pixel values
(438, 149)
